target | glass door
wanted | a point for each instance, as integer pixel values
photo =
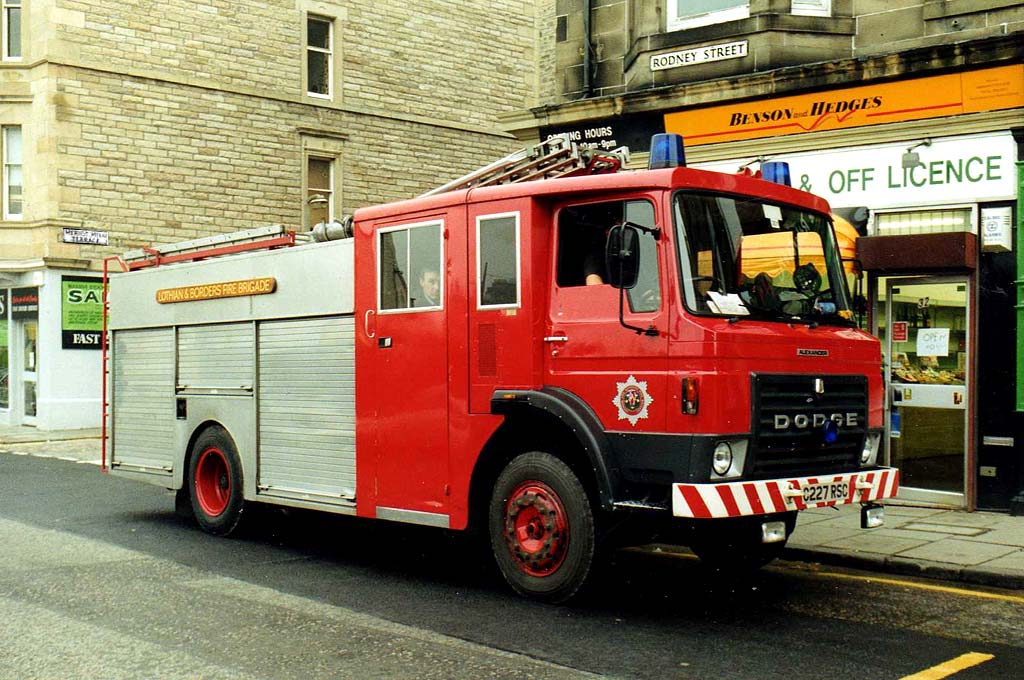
(5, 354)
(923, 323)
(30, 370)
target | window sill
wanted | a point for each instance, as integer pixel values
(737, 30)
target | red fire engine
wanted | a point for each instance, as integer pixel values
(546, 350)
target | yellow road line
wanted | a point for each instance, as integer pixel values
(944, 670)
(1017, 599)
(922, 586)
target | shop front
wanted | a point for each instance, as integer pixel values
(921, 204)
(918, 151)
(50, 359)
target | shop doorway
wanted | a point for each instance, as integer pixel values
(923, 323)
(30, 370)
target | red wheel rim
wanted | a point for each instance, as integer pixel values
(213, 481)
(536, 528)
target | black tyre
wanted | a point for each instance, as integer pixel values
(542, 528)
(215, 482)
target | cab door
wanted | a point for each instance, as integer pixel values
(619, 372)
(402, 374)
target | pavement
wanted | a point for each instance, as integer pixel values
(980, 548)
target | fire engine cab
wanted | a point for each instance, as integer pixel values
(556, 352)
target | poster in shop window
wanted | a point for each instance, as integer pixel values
(81, 312)
(24, 303)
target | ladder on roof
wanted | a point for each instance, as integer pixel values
(554, 157)
(272, 236)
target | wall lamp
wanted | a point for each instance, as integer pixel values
(911, 159)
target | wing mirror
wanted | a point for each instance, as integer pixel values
(622, 261)
(622, 255)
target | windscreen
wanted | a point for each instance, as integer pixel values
(740, 256)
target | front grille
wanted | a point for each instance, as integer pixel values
(787, 423)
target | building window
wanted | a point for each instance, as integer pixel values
(497, 239)
(682, 14)
(12, 174)
(320, 190)
(409, 266)
(812, 8)
(319, 56)
(11, 19)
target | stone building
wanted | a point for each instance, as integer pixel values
(125, 123)
(906, 115)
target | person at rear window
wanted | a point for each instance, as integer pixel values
(430, 286)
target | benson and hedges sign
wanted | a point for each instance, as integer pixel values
(911, 99)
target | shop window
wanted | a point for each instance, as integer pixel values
(924, 221)
(409, 267)
(319, 190)
(497, 238)
(10, 16)
(682, 14)
(319, 56)
(12, 172)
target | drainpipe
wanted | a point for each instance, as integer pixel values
(1020, 285)
(1017, 502)
(588, 86)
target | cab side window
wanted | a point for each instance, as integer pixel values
(582, 232)
(497, 238)
(409, 267)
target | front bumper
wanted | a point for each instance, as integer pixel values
(764, 496)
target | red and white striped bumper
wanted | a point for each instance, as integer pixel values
(739, 499)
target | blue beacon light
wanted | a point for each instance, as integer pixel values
(830, 432)
(666, 151)
(776, 171)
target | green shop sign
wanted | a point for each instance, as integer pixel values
(81, 312)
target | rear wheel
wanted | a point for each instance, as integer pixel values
(541, 527)
(215, 482)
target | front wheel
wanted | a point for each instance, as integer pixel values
(215, 482)
(541, 527)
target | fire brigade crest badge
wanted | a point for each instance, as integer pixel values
(632, 399)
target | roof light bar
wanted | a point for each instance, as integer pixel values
(776, 171)
(666, 151)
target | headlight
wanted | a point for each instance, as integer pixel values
(721, 461)
(870, 453)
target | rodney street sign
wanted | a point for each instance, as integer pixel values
(699, 55)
